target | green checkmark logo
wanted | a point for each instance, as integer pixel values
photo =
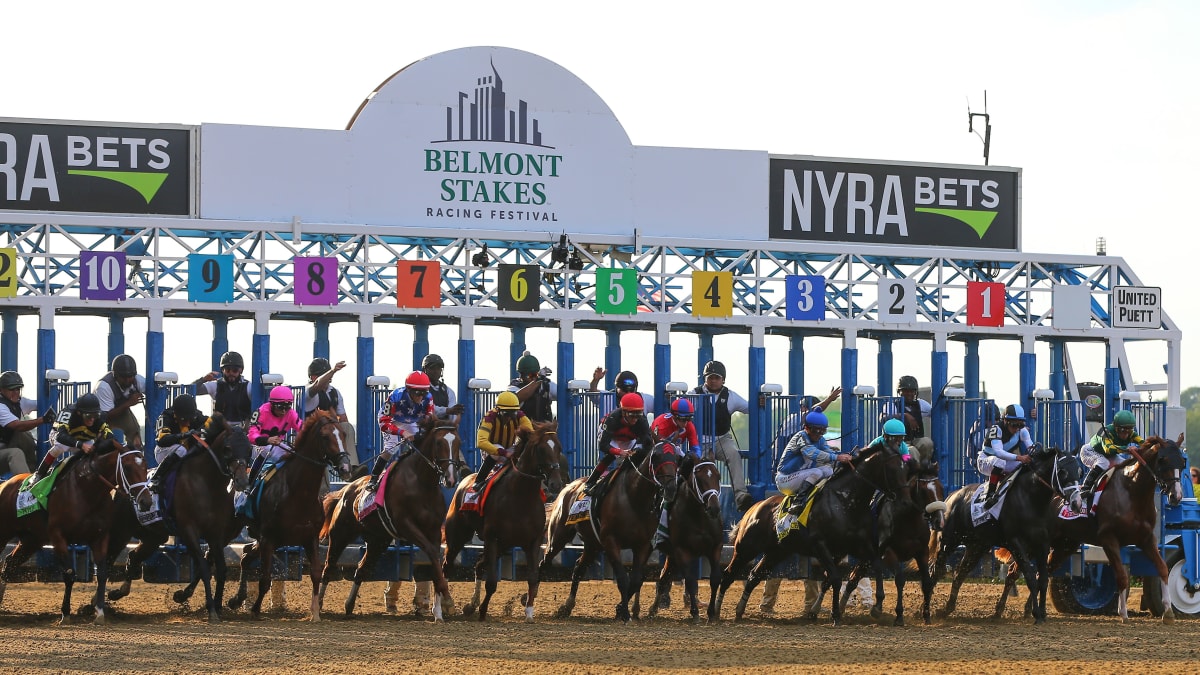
(145, 182)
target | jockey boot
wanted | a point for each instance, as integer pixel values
(800, 497)
(255, 468)
(381, 463)
(1089, 486)
(993, 488)
(43, 469)
(485, 469)
(594, 479)
(160, 474)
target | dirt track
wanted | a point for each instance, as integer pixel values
(150, 635)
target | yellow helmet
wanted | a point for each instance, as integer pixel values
(507, 401)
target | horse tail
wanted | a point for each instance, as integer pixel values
(328, 505)
(1004, 556)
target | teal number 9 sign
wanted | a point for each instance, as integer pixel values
(210, 278)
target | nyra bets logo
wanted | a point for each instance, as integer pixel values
(493, 161)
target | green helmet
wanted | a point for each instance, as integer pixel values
(528, 364)
(1124, 418)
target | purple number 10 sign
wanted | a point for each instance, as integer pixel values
(102, 275)
(315, 281)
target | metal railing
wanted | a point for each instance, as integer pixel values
(1060, 424)
(969, 419)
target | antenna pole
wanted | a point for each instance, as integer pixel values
(987, 127)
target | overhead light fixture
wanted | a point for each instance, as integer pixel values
(1101, 246)
(560, 253)
(575, 263)
(480, 259)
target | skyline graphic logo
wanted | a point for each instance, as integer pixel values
(485, 116)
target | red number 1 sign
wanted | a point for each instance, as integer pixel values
(985, 303)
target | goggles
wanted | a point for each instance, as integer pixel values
(633, 414)
(1015, 423)
(281, 404)
(1125, 429)
(817, 430)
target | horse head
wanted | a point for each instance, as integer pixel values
(885, 469)
(1167, 461)
(1061, 471)
(704, 478)
(538, 455)
(232, 448)
(129, 471)
(930, 494)
(320, 440)
(664, 468)
(439, 446)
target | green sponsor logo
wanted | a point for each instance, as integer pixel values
(979, 221)
(145, 182)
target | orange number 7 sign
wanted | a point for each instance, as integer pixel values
(418, 283)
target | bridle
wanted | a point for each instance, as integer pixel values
(890, 456)
(655, 467)
(542, 469)
(703, 495)
(326, 459)
(121, 480)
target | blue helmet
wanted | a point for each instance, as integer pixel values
(894, 427)
(816, 418)
(1014, 413)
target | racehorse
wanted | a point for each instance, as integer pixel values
(624, 517)
(1125, 514)
(289, 511)
(908, 534)
(696, 532)
(413, 510)
(1021, 527)
(202, 511)
(79, 510)
(840, 524)
(513, 515)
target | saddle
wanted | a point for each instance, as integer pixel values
(33, 496)
(249, 507)
(473, 501)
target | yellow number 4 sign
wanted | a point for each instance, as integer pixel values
(712, 293)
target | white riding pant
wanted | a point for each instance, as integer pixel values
(789, 484)
(58, 449)
(273, 453)
(1092, 459)
(985, 463)
(161, 453)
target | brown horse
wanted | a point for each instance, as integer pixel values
(908, 534)
(840, 524)
(202, 511)
(413, 510)
(1125, 514)
(514, 514)
(625, 518)
(696, 532)
(79, 511)
(289, 512)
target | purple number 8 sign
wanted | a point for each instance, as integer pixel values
(315, 281)
(101, 275)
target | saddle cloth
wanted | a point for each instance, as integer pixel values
(368, 501)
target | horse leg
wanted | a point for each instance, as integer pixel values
(375, 548)
(691, 584)
(220, 570)
(61, 552)
(928, 580)
(433, 550)
(662, 587)
(191, 540)
(266, 558)
(833, 578)
(532, 549)
(249, 552)
(311, 548)
(585, 560)
(490, 553)
(339, 538)
(23, 551)
(899, 574)
(1031, 567)
(621, 575)
(760, 571)
(970, 557)
(1112, 549)
(851, 583)
(477, 597)
(714, 582)
(1010, 582)
(100, 551)
(1151, 551)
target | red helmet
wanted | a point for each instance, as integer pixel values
(417, 380)
(682, 409)
(632, 402)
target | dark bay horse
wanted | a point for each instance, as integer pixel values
(908, 535)
(1126, 514)
(79, 511)
(625, 518)
(202, 511)
(289, 512)
(514, 514)
(696, 532)
(1021, 527)
(840, 524)
(413, 510)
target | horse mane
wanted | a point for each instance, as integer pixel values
(105, 446)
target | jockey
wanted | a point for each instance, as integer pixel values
(400, 419)
(1005, 447)
(892, 438)
(808, 458)
(676, 427)
(176, 427)
(80, 432)
(622, 432)
(497, 433)
(268, 425)
(1105, 447)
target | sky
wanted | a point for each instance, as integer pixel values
(1096, 101)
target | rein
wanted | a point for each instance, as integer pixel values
(123, 479)
(877, 488)
(543, 470)
(703, 496)
(1162, 484)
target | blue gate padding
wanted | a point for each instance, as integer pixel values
(48, 569)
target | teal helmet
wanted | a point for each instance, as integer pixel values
(894, 427)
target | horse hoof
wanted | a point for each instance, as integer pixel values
(468, 609)
(235, 603)
(623, 613)
(179, 597)
(85, 611)
(899, 622)
(100, 619)
(214, 617)
(563, 612)
(113, 596)
(1168, 616)
(876, 614)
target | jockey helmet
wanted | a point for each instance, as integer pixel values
(682, 409)
(124, 366)
(88, 403)
(318, 367)
(816, 418)
(1014, 413)
(632, 403)
(528, 364)
(1124, 418)
(11, 379)
(907, 382)
(232, 360)
(714, 368)
(281, 394)
(894, 427)
(626, 380)
(507, 401)
(417, 380)
(432, 361)
(184, 406)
